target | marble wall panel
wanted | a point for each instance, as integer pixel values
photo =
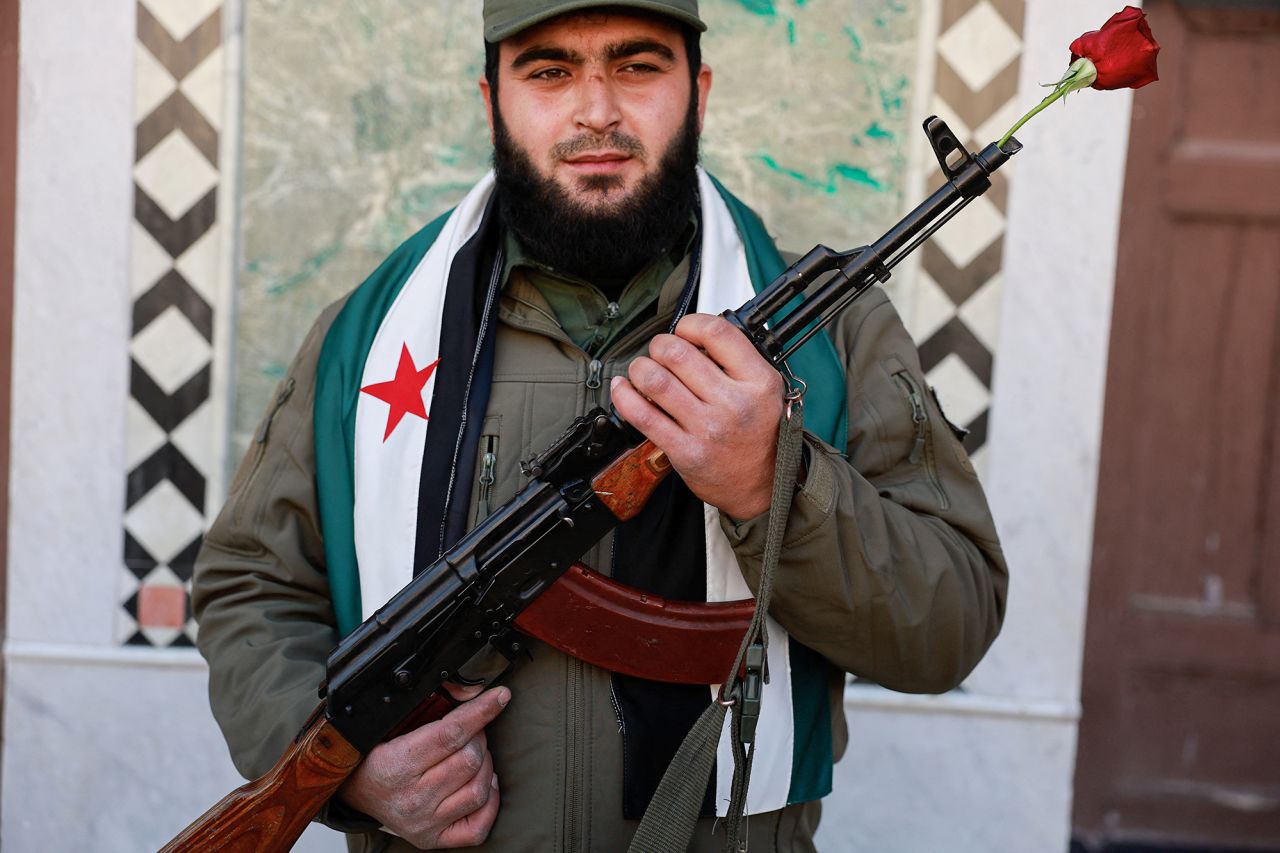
(172, 440)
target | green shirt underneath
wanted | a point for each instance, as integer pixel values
(583, 311)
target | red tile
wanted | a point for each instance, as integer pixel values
(162, 607)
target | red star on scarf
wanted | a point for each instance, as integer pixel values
(404, 393)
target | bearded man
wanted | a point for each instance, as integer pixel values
(588, 269)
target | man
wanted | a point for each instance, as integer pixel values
(547, 291)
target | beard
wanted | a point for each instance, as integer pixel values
(606, 243)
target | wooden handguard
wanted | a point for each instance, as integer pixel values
(624, 629)
(269, 813)
(625, 486)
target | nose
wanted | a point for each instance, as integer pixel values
(597, 108)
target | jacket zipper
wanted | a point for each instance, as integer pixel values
(573, 797)
(576, 739)
(488, 468)
(466, 396)
(594, 372)
(920, 450)
(595, 379)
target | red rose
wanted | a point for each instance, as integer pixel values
(1123, 51)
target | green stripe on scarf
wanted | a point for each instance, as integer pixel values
(338, 374)
(826, 415)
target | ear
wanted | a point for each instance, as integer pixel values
(704, 90)
(488, 104)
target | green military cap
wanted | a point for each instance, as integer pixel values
(505, 18)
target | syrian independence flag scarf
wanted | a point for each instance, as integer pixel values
(394, 494)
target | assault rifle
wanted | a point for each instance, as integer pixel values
(463, 619)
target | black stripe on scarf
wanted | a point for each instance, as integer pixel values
(444, 488)
(662, 550)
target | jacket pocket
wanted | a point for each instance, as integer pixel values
(922, 445)
(249, 469)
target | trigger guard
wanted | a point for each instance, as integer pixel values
(492, 660)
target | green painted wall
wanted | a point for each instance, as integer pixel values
(362, 121)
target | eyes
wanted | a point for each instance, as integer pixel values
(630, 70)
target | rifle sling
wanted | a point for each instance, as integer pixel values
(669, 822)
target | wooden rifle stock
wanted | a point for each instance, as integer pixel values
(269, 813)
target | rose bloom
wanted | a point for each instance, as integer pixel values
(1123, 51)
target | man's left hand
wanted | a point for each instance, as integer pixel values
(710, 401)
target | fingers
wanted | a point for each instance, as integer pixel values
(469, 792)
(725, 345)
(635, 408)
(667, 390)
(431, 744)
(712, 403)
(690, 367)
(434, 780)
(474, 828)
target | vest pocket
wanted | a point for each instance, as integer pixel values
(922, 451)
(248, 471)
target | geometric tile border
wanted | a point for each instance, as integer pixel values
(179, 84)
(957, 315)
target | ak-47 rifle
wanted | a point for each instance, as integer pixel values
(463, 618)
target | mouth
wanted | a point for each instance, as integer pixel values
(597, 162)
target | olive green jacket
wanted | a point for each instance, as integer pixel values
(891, 570)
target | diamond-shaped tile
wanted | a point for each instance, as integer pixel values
(160, 637)
(152, 83)
(170, 349)
(200, 264)
(175, 174)
(204, 88)
(126, 626)
(999, 122)
(164, 522)
(971, 231)
(979, 45)
(962, 394)
(143, 436)
(180, 17)
(162, 576)
(194, 437)
(149, 262)
(981, 312)
(932, 308)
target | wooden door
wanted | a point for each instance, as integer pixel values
(1180, 738)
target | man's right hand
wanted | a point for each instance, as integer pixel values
(434, 786)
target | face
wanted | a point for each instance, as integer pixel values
(594, 101)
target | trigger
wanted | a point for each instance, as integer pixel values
(489, 663)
